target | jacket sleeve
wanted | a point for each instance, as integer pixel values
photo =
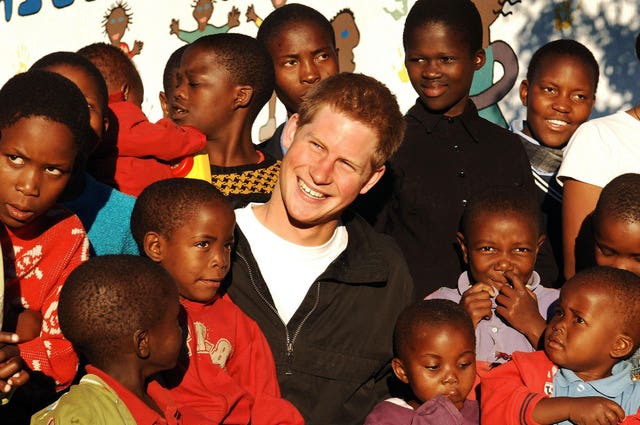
(164, 140)
(506, 396)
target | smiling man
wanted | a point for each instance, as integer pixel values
(323, 286)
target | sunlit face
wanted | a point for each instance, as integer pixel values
(303, 54)
(91, 92)
(440, 360)
(204, 94)
(617, 243)
(116, 24)
(558, 100)
(202, 11)
(165, 339)
(580, 335)
(197, 255)
(496, 243)
(36, 160)
(329, 162)
(441, 67)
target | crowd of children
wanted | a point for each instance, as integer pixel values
(500, 285)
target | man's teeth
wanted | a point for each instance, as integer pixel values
(306, 189)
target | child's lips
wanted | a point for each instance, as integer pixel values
(434, 89)
(19, 213)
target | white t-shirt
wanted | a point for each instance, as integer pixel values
(602, 149)
(288, 269)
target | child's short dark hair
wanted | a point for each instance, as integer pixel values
(433, 313)
(38, 93)
(246, 61)
(115, 66)
(170, 69)
(623, 290)
(564, 48)
(620, 199)
(108, 298)
(502, 200)
(293, 13)
(363, 99)
(166, 205)
(77, 61)
(461, 16)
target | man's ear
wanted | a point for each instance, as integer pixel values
(622, 347)
(375, 177)
(398, 370)
(141, 343)
(290, 130)
(463, 247)
(244, 94)
(153, 245)
(524, 92)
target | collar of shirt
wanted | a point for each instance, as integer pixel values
(611, 386)
(464, 282)
(430, 120)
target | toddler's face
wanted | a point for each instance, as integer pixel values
(580, 334)
(441, 67)
(36, 159)
(617, 243)
(198, 253)
(302, 54)
(439, 360)
(558, 100)
(496, 243)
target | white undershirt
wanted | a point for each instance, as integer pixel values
(288, 269)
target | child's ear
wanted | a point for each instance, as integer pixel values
(153, 246)
(125, 91)
(164, 105)
(244, 94)
(141, 343)
(398, 370)
(479, 59)
(463, 247)
(524, 92)
(541, 240)
(290, 130)
(622, 347)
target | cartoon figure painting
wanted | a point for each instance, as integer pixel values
(116, 22)
(347, 38)
(484, 92)
(202, 12)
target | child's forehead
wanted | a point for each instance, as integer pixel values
(308, 26)
(488, 220)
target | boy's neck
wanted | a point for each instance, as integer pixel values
(233, 147)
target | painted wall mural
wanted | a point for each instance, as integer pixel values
(368, 38)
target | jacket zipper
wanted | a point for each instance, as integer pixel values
(290, 340)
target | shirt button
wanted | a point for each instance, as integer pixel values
(464, 202)
(461, 174)
(450, 120)
(580, 387)
(456, 147)
(494, 330)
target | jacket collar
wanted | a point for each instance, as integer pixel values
(430, 121)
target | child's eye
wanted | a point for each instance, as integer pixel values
(549, 90)
(464, 365)
(322, 57)
(15, 159)
(193, 84)
(579, 319)
(558, 313)
(522, 250)
(290, 62)
(54, 171)
(606, 252)
(447, 59)
(580, 97)
(202, 244)
(432, 367)
(486, 249)
(228, 246)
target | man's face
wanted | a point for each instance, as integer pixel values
(441, 67)
(329, 162)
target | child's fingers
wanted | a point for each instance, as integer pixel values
(9, 338)
(479, 287)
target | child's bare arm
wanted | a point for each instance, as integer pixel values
(477, 302)
(518, 305)
(579, 410)
(12, 373)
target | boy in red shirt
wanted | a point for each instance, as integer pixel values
(187, 226)
(43, 120)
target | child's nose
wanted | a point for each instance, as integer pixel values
(309, 73)
(28, 182)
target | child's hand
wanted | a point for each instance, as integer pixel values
(595, 411)
(518, 305)
(477, 302)
(12, 373)
(29, 325)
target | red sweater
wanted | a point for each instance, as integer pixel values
(146, 150)
(511, 391)
(230, 359)
(37, 260)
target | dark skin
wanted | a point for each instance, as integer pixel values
(12, 373)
